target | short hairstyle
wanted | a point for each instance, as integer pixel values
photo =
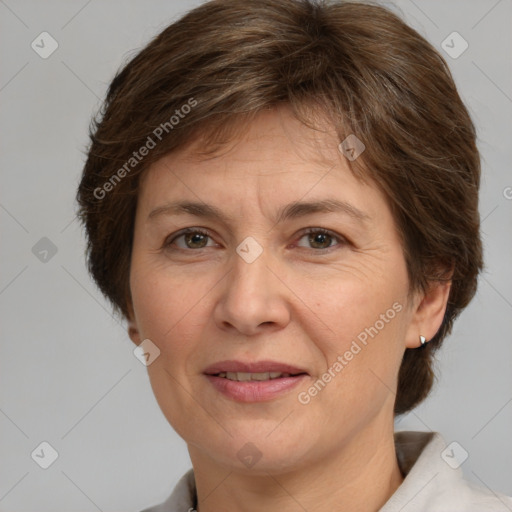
(212, 71)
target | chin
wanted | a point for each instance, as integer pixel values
(254, 449)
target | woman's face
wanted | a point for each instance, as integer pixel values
(260, 291)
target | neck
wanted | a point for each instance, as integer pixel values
(360, 475)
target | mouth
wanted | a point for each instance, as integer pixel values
(257, 370)
(259, 376)
(254, 382)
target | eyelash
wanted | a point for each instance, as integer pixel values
(342, 241)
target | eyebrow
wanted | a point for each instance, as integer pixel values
(290, 211)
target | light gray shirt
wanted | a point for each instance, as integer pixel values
(433, 482)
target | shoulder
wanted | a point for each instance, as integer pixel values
(466, 496)
(434, 479)
(182, 498)
(486, 499)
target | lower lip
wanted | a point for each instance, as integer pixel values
(254, 390)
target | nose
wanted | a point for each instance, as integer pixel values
(254, 298)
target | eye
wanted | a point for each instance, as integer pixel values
(197, 238)
(319, 238)
(190, 238)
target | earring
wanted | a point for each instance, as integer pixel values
(423, 340)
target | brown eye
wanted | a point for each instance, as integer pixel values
(195, 240)
(320, 239)
(190, 239)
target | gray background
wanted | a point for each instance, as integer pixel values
(68, 375)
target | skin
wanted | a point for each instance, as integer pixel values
(300, 302)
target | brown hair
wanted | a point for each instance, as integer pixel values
(358, 64)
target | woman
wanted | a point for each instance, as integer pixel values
(281, 198)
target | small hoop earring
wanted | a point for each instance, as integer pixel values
(423, 340)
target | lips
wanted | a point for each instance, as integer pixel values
(254, 382)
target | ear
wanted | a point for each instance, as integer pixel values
(133, 330)
(428, 314)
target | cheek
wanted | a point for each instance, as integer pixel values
(164, 307)
(169, 312)
(362, 322)
(347, 309)
(174, 310)
(162, 293)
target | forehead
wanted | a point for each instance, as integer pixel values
(276, 159)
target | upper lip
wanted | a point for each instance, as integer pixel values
(254, 367)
